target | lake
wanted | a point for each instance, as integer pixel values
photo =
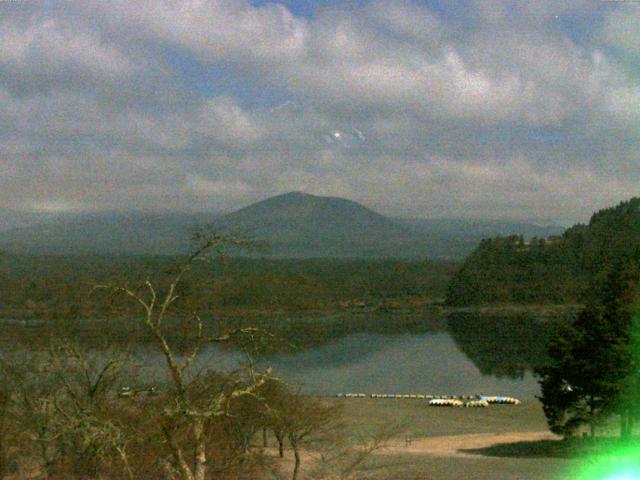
(428, 363)
(469, 356)
(390, 354)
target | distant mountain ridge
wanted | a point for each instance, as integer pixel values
(10, 219)
(302, 225)
(478, 228)
(106, 233)
(295, 224)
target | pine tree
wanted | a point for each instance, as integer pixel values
(592, 372)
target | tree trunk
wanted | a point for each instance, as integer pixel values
(624, 423)
(296, 455)
(264, 437)
(185, 471)
(592, 418)
(280, 439)
(49, 463)
(182, 467)
(125, 461)
(3, 444)
(201, 452)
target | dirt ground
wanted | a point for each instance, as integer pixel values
(461, 445)
(497, 443)
(499, 456)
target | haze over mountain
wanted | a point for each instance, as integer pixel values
(293, 225)
(10, 219)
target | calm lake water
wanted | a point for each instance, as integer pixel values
(469, 356)
(460, 355)
(429, 363)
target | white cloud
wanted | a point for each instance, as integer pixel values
(222, 118)
(215, 30)
(405, 20)
(205, 186)
(621, 29)
(390, 54)
(113, 104)
(53, 53)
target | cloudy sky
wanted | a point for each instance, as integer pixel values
(477, 108)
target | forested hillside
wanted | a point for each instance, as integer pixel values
(552, 270)
(58, 287)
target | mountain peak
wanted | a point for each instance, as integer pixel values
(294, 224)
(293, 195)
(302, 204)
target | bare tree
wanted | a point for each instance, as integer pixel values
(62, 404)
(192, 408)
(347, 457)
(7, 414)
(34, 398)
(91, 436)
(295, 418)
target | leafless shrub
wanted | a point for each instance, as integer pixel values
(350, 457)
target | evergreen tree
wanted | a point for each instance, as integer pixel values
(593, 367)
(555, 270)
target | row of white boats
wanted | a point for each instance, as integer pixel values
(443, 401)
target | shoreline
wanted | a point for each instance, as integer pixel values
(396, 309)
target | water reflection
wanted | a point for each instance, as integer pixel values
(465, 354)
(428, 363)
(388, 353)
(502, 346)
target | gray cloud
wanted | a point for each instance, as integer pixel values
(494, 111)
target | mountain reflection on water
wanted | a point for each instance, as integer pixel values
(502, 346)
(465, 355)
(382, 352)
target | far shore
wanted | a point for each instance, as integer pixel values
(395, 307)
(543, 310)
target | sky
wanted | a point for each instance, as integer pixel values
(514, 109)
